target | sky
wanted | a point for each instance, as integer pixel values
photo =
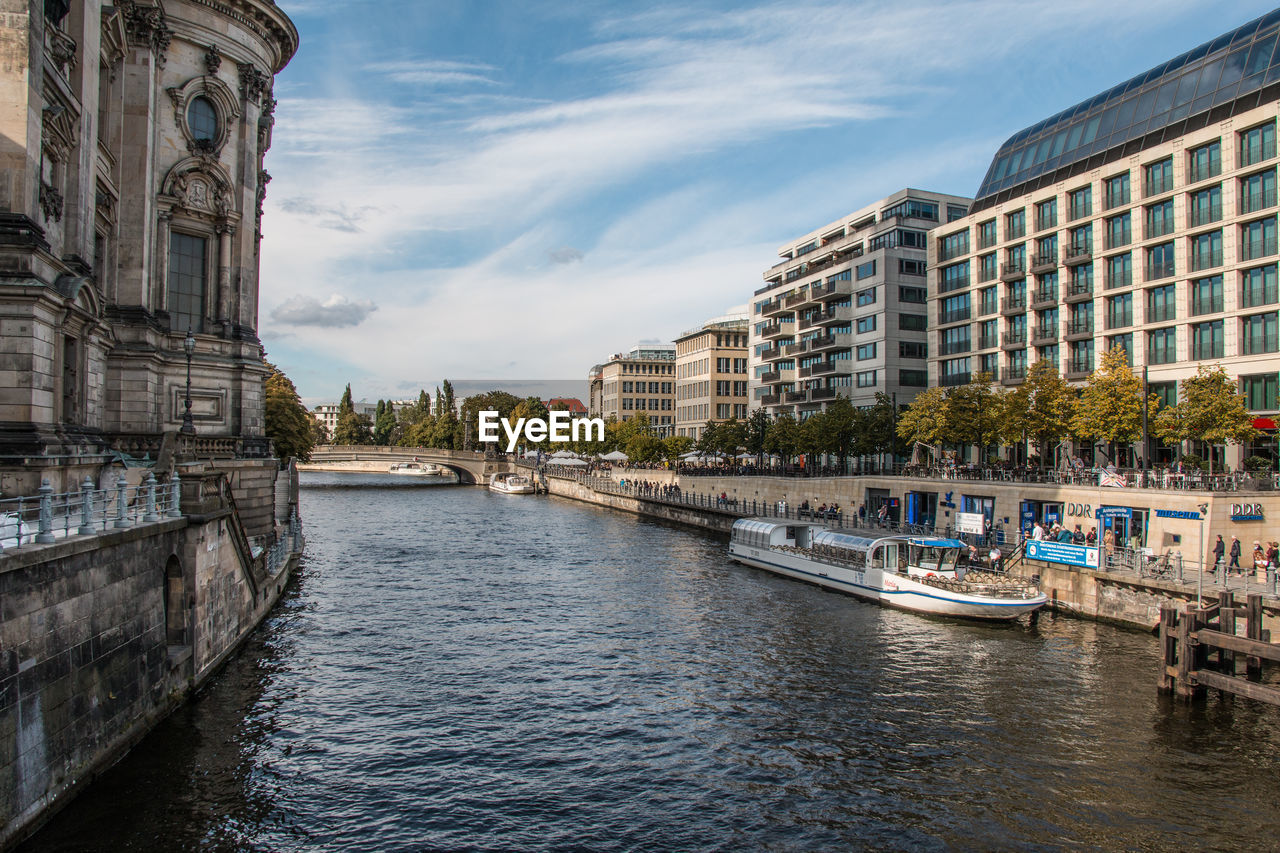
(492, 190)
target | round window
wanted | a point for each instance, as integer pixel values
(202, 119)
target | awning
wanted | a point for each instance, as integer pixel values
(1264, 423)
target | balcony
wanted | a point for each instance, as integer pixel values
(770, 353)
(1015, 340)
(1044, 297)
(829, 367)
(1044, 335)
(1014, 375)
(955, 315)
(771, 399)
(771, 376)
(1206, 214)
(1013, 271)
(770, 307)
(816, 394)
(836, 314)
(795, 397)
(1206, 260)
(955, 379)
(954, 347)
(795, 299)
(1013, 304)
(777, 330)
(1077, 255)
(829, 341)
(817, 291)
(1079, 291)
(1252, 249)
(795, 349)
(988, 341)
(1156, 271)
(1044, 263)
(1255, 201)
(1079, 330)
(1160, 312)
(1079, 368)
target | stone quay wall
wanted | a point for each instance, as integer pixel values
(707, 518)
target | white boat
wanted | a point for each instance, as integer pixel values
(916, 573)
(510, 484)
(416, 469)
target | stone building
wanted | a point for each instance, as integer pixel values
(641, 380)
(711, 374)
(131, 189)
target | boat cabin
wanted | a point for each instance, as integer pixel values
(899, 554)
(756, 533)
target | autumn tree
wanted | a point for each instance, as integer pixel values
(925, 420)
(1039, 409)
(973, 413)
(1110, 404)
(1209, 409)
(287, 422)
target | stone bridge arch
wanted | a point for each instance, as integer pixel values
(471, 467)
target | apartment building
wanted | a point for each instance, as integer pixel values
(641, 380)
(844, 312)
(327, 414)
(1142, 218)
(711, 374)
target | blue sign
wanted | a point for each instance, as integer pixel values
(1178, 513)
(1028, 519)
(1114, 512)
(1062, 552)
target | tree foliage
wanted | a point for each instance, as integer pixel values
(1110, 404)
(925, 419)
(287, 422)
(1040, 409)
(352, 427)
(1209, 409)
(783, 437)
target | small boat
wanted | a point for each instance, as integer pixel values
(510, 484)
(917, 573)
(416, 469)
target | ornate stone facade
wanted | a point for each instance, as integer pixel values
(134, 141)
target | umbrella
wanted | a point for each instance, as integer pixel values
(615, 456)
(692, 454)
(746, 456)
(564, 454)
(570, 461)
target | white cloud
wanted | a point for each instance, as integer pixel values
(334, 313)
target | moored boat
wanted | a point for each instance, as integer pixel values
(917, 573)
(416, 469)
(511, 484)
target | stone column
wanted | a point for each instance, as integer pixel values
(223, 307)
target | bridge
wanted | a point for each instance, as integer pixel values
(471, 467)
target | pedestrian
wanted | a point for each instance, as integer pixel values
(994, 557)
(1092, 539)
(883, 514)
(862, 513)
(1109, 544)
(1235, 556)
(1219, 550)
(1259, 560)
(1077, 536)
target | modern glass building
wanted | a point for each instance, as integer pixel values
(1142, 218)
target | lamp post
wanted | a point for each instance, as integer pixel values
(1204, 510)
(188, 346)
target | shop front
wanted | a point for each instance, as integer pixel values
(1128, 524)
(922, 508)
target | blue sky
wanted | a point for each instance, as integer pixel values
(519, 189)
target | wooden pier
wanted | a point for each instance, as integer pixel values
(1201, 649)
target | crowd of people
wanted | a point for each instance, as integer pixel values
(1262, 561)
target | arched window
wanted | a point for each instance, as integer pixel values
(202, 118)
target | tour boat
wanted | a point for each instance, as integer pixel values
(510, 484)
(416, 469)
(915, 573)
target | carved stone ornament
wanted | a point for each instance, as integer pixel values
(200, 186)
(50, 201)
(264, 178)
(146, 27)
(62, 50)
(59, 127)
(252, 82)
(213, 60)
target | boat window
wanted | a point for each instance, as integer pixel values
(877, 558)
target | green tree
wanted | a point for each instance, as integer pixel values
(925, 420)
(352, 427)
(287, 422)
(1040, 409)
(1110, 405)
(675, 446)
(973, 413)
(1209, 409)
(843, 422)
(729, 436)
(877, 424)
(384, 423)
(491, 401)
(707, 441)
(644, 447)
(757, 429)
(812, 437)
(783, 437)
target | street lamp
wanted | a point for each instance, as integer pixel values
(188, 346)
(1204, 511)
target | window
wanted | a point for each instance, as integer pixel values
(843, 275)
(912, 209)
(953, 341)
(866, 270)
(1258, 287)
(1161, 304)
(1080, 357)
(1049, 354)
(1080, 241)
(1166, 393)
(1046, 214)
(1017, 368)
(1205, 206)
(955, 211)
(1258, 239)
(1257, 144)
(1047, 287)
(1015, 225)
(954, 277)
(1082, 279)
(1206, 340)
(953, 245)
(1117, 191)
(954, 308)
(866, 351)
(954, 371)
(1080, 203)
(1047, 250)
(866, 324)
(867, 297)
(1124, 342)
(1206, 295)
(1162, 346)
(202, 119)
(1119, 271)
(1160, 262)
(187, 281)
(1206, 250)
(913, 294)
(913, 349)
(1080, 318)
(1160, 219)
(1258, 192)
(1120, 311)
(912, 322)
(913, 378)
(1119, 231)
(1258, 334)
(1260, 391)
(987, 234)
(990, 300)
(987, 267)
(866, 379)
(1204, 162)
(1158, 177)
(909, 267)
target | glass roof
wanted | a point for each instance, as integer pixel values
(843, 540)
(1215, 73)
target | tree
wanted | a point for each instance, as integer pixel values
(843, 424)
(644, 447)
(287, 422)
(783, 437)
(812, 437)
(352, 428)
(707, 441)
(491, 401)
(877, 425)
(729, 436)
(1039, 409)
(1110, 406)
(757, 429)
(973, 413)
(384, 423)
(1210, 409)
(675, 446)
(925, 420)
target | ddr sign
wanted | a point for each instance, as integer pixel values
(1063, 552)
(1246, 512)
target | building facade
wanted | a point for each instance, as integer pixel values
(711, 374)
(326, 414)
(130, 208)
(642, 380)
(844, 313)
(1142, 218)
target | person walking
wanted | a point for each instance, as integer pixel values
(1077, 536)
(1235, 556)
(1219, 550)
(1109, 545)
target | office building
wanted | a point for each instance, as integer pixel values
(641, 380)
(711, 374)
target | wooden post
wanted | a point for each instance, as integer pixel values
(1253, 630)
(1227, 625)
(1182, 684)
(1168, 647)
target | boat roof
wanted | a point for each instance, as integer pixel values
(937, 542)
(766, 525)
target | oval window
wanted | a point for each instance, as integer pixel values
(202, 119)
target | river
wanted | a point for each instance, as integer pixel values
(460, 670)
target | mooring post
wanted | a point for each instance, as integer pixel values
(86, 507)
(175, 495)
(1168, 648)
(122, 502)
(45, 533)
(1227, 625)
(1183, 682)
(1253, 630)
(151, 514)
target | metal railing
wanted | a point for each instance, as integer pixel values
(46, 517)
